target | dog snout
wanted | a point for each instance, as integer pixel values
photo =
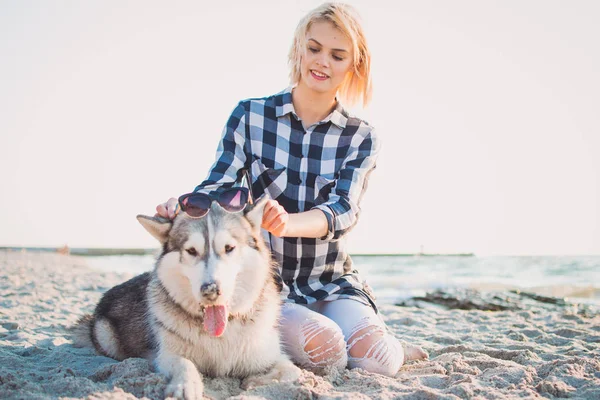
(210, 291)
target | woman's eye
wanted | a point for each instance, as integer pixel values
(229, 249)
(192, 252)
(313, 50)
(337, 58)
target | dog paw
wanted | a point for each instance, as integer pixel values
(287, 372)
(412, 353)
(281, 372)
(185, 388)
(256, 380)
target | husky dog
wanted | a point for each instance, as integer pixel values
(210, 306)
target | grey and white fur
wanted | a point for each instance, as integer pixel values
(209, 307)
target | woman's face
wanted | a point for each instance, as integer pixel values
(328, 58)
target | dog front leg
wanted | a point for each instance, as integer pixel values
(186, 381)
(283, 371)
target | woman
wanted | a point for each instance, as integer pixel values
(313, 159)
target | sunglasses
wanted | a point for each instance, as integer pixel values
(197, 205)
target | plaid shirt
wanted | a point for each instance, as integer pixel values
(325, 167)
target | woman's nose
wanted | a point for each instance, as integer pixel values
(322, 61)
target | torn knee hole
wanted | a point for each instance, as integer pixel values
(322, 344)
(367, 341)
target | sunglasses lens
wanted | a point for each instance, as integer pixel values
(196, 205)
(233, 200)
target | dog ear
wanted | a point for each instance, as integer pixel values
(254, 212)
(158, 227)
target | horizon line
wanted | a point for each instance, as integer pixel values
(109, 251)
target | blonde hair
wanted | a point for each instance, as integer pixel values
(357, 84)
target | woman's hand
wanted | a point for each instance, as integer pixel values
(275, 218)
(169, 209)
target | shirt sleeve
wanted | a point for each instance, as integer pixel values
(231, 157)
(343, 207)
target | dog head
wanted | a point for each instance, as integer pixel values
(215, 265)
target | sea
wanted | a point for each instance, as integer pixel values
(395, 278)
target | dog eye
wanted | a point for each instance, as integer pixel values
(229, 249)
(192, 252)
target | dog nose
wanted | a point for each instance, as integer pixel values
(210, 291)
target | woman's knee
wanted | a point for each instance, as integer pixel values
(373, 349)
(323, 345)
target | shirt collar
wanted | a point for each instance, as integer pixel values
(284, 106)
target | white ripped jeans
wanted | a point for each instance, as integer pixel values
(340, 333)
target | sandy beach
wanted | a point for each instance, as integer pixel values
(539, 350)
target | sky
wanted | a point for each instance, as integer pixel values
(488, 112)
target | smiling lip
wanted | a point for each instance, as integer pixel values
(318, 77)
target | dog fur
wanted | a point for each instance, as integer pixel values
(218, 261)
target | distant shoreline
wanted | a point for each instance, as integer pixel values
(85, 251)
(415, 254)
(90, 251)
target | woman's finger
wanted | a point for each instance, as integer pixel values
(276, 221)
(161, 210)
(273, 222)
(169, 209)
(272, 214)
(172, 207)
(279, 228)
(269, 211)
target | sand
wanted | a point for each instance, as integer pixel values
(540, 351)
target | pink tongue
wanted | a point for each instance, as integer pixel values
(215, 320)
